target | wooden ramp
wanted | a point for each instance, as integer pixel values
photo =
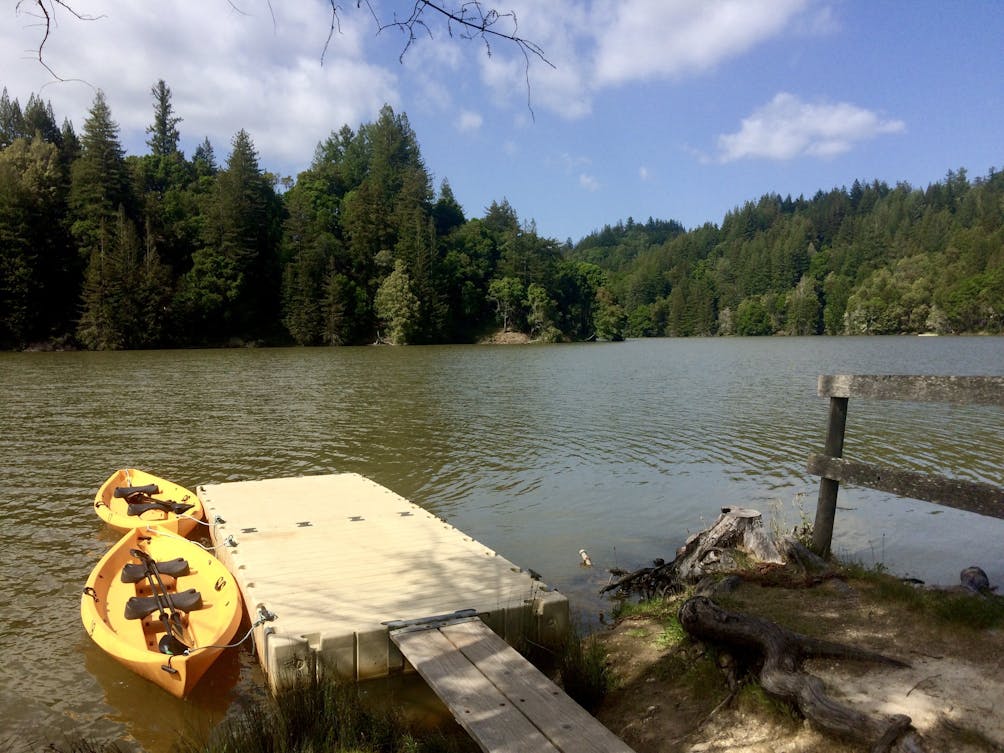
(334, 557)
(496, 695)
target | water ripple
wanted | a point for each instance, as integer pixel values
(621, 449)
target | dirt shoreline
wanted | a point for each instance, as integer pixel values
(671, 694)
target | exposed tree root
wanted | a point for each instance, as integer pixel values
(781, 676)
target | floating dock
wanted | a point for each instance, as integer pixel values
(336, 557)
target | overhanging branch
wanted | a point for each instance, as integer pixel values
(45, 12)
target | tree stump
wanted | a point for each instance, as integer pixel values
(709, 551)
(737, 528)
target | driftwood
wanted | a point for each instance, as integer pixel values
(780, 674)
(737, 529)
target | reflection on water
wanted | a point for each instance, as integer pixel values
(622, 449)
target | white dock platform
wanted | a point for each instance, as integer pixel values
(336, 556)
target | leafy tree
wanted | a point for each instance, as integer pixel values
(836, 290)
(36, 271)
(508, 294)
(575, 289)
(753, 319)
(803, 308)
(540, 314)
(609, 318)
(397, 307)
(974, 304)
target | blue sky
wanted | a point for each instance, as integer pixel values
(674, 109)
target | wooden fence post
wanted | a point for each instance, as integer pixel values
(826, 507)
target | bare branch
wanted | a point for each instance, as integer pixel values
(469, 20)
(472, 22)
(335, 24)
(46, 15)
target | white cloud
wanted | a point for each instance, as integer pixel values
(469, 121)
(646, 39)
(613, 42)
(589, 182)
(643, 173)
(227, 70)
(559, 84)
(787, 127)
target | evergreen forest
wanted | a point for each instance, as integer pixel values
(104, 250)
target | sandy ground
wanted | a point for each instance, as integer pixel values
(953, 690)
(506, 338)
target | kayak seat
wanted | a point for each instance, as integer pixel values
(138, 607)
(126, 491)
(144, 504)
(135, 572)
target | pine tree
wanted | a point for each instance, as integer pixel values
(99, 184)
(204, 159)
(11, 120)
(447, 212)
(38, 118)
(234, 285)
(163, 132)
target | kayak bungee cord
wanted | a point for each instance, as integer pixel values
(169, 615)
(263, 616)
(169, 534)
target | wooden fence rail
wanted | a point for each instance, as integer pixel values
(984, 499)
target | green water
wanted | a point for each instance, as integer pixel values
(621, 449)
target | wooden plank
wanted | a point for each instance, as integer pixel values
(478, 706)
(973, 496)
(566, 724)
(966, 390)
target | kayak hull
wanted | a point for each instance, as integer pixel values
(115, 510)
(134, 640)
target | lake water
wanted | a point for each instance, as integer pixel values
(622, 449)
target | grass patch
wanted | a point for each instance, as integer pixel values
(753, 699)
(952, 608)
(703, 679)
(322, 715)
(581, 663)
(657, 609)
(672, 635)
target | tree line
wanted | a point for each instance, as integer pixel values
(103, 250)
(866, 260)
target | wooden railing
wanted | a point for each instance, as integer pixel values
(984, 499)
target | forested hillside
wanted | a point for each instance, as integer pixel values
(103, 250)
(869, 260)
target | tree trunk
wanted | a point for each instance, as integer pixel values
(711, 550)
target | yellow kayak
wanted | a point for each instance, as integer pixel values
(135, 499)
(162, 606)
